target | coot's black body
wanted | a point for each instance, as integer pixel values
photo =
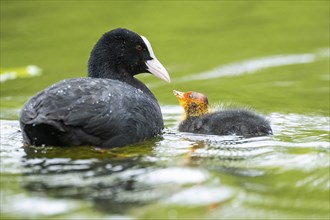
(110, 108)
(239, 122)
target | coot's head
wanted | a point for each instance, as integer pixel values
(121, 53)
(193, 103)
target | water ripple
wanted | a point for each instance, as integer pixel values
(288, 169)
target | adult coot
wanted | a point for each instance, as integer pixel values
(109, 108)
(199, 119)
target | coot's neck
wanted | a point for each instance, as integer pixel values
(107, 71)
(103, 63)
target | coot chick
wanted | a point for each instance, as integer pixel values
(199, 119)
(109, 108)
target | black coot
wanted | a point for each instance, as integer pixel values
(109, 108)
(199, 119)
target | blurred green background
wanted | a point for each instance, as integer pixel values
(188, 37)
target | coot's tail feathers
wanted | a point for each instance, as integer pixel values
(48, 135)
(42, 134)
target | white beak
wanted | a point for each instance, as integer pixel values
(154, 66)
(158, 70)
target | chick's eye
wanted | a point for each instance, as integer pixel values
(139, 47)
(190, 96)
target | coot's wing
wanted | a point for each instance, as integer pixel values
(117, 110)
(94, 111)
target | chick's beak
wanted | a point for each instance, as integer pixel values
(178, 94)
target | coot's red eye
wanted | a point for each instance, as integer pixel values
(139, 47)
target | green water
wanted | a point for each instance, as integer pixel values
(272, 56)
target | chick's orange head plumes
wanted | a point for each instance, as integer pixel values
(193, 103)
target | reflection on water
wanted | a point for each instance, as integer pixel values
(179, 175)
(108, 179)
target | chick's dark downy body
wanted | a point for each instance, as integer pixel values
(227, 122)
(199, 119)
(110, 108)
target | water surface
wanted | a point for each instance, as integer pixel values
(180, 175)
